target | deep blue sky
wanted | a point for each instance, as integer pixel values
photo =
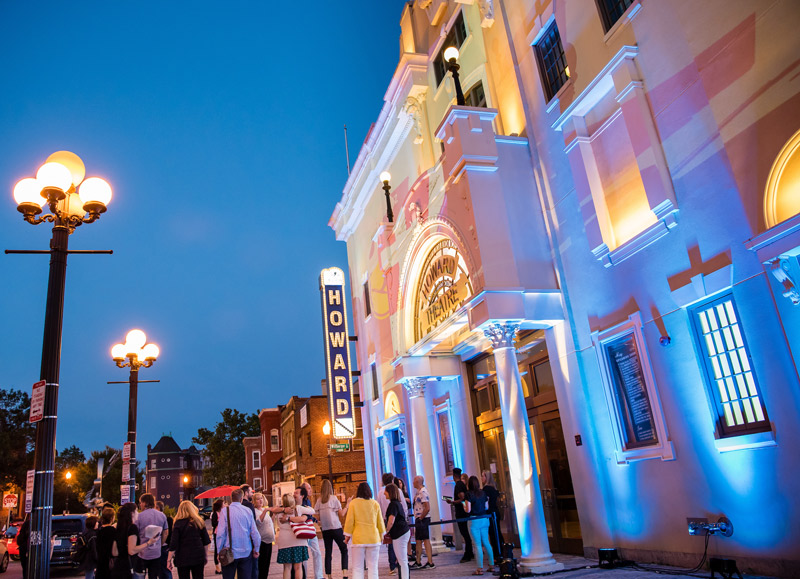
(219, 127)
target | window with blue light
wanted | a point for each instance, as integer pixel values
(612, 10)
(552, 61)
(728, 368)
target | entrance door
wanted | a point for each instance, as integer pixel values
(399, 462)
(558, 496)
(493, 458)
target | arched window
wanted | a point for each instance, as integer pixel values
(782, 195)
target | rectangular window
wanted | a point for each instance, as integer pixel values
(304, 415)
(367, 305)
(274, 441)
(256, 483)
(153, 463)
(152, 484)
(475, 96)
(256, 459)
(456, 37)
(612, 10)
(308, 442)
(730, 375)
(552, 62)
(276, 476)
(375, 386)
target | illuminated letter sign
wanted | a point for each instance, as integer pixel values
(337, 353)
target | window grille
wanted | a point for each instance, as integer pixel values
(728, 368)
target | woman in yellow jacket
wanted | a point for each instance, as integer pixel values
(364, 530)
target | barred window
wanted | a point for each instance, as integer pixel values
(728, 368)
(612, 10)
(552, 62)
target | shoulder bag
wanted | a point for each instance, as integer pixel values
(225, 555)
(304, 530)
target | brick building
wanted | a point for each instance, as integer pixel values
(264, 451)
(167, 465)
(305, 449)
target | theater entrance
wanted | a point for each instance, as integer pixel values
(555, 480)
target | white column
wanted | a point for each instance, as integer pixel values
(536, 556)
(423, 453)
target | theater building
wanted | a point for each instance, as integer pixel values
(588, 286)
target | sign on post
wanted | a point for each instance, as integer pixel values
(126, 451)
(340, 446)
(337, 352)
(37, 401)
(29, 490)
(126, 470)
(125, 494)
(10, 501)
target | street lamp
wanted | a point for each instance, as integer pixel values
(326, 430)
(186, 488)
(134, 354)
(72, 201)
(68, 476)
(450, 57)
(385, 177)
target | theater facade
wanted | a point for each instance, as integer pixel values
(588, 284)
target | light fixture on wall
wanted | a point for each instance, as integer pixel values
(385, 177)
(450, 57)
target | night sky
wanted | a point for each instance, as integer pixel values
(219, 128)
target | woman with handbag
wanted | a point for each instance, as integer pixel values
(292, 543)
(187, 542)
(328, 508)
(397, 529)
(364, 528)
(266, 531)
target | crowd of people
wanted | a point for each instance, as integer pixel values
(130, 543)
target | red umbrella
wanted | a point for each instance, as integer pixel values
(223, 491)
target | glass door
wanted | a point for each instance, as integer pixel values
(493, 459)
(558, 496)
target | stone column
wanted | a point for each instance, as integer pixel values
(423, 454)
(536, 556)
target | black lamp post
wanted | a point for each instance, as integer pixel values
(73, 201)
(385, 177)
(326, 430)
(450, 57)
(134, 354)
(68, 476)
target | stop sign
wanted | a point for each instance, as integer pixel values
(10, 501)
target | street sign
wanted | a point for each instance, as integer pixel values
(126, 451)
(29, 490)
(126, 470)
(37, 401)
(10, 501)
(125, 494)
(340, 446)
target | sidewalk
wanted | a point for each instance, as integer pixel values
(448, 567)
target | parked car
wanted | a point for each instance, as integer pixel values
(206, 511)
(3, 557)
(11, 539)
(65, 532)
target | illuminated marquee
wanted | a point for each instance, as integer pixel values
(444, 285)
(337, 353)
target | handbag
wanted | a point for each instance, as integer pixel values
(305, 530)
(387, 540)
(225, 555)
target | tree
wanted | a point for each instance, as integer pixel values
(223, 447)
(73, 460)
(17, 436)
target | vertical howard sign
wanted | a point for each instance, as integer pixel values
(337, 353)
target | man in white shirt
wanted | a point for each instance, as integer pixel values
(244, 538)
(422, 521)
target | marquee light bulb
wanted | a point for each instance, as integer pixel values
(27, 191)
(54, 175)
(95, 190)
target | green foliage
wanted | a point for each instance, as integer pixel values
(170, 511)
(16, 437)
(223, 447)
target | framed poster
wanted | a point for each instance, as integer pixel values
(637, 419)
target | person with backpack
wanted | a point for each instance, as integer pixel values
(85, 554)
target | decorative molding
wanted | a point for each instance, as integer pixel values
(640, 241)
(502, 334)
(415, 387)
(416, 213)
(413, 108)
(781, 269)
(702, 286)
(487, 13)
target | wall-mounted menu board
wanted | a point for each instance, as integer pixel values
(630, 391)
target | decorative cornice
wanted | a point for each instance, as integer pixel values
(781, 269)
(415, 386)
(501, 334)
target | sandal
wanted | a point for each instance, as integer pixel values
(478, 572)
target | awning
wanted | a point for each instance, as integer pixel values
(222, 491)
